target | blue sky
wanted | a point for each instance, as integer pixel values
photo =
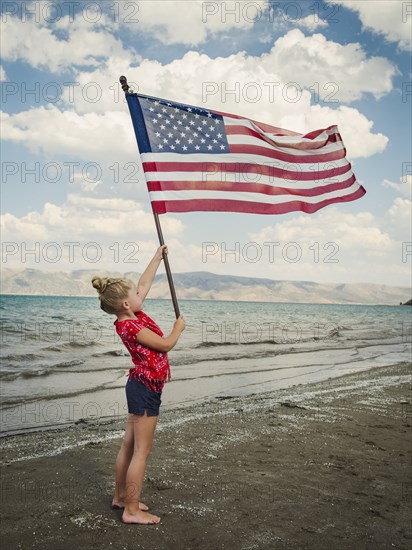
(71, 171)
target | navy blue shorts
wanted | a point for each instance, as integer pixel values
(141, 398)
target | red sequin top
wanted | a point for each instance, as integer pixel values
(150, 366)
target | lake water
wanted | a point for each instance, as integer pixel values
(62, 360)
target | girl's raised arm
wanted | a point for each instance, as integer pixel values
(146, 278)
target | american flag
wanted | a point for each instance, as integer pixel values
(198, 159)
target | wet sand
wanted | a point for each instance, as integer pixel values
(325, 465)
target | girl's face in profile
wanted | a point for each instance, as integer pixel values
(133, 299)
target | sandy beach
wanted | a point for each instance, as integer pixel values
(317, 466)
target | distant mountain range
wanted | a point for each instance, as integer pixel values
(202, 285)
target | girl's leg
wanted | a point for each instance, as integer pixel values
(143, 430)
(124, 457)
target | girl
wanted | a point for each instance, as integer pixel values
(148, 349)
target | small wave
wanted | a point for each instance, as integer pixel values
(70, 345)
(191, 360)
(9, 328)
(8, 376)
(113, 353)
(15, 400)
(252, 342)
(21, 357)
(34, 373)
(261, 342)
(72, 363)
(215, 344)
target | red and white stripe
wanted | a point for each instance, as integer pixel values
(267, 171)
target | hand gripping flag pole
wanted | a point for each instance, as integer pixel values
(125, 88)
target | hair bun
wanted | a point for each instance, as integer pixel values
(100, 284)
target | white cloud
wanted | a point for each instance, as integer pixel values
(404, 187)
(182, 22)
(171, 22)
(399, 219)
(311, 23)
(332, 245)
(109, 223)
(80, 217)
(263, 85)
(339, 246)
(336, 72)
(55, 133)
(85, 44)
(354, 234)
(93, 152)
(3, 75)
(343, 72)
(391, 18)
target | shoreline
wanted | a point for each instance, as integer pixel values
(270, 373)
(115, 423)
(314, 466)
(169, 403)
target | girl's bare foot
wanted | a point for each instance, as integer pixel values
(119, 505)
(141, 517)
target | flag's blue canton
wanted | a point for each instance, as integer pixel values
(177, 128)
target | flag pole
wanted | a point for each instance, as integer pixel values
(167, 266)
(125, 88)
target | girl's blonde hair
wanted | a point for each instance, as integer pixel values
(111, 292)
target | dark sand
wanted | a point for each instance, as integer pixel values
(236, 473)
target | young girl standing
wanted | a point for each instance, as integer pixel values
(148, 349)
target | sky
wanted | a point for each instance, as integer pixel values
(73, 190)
